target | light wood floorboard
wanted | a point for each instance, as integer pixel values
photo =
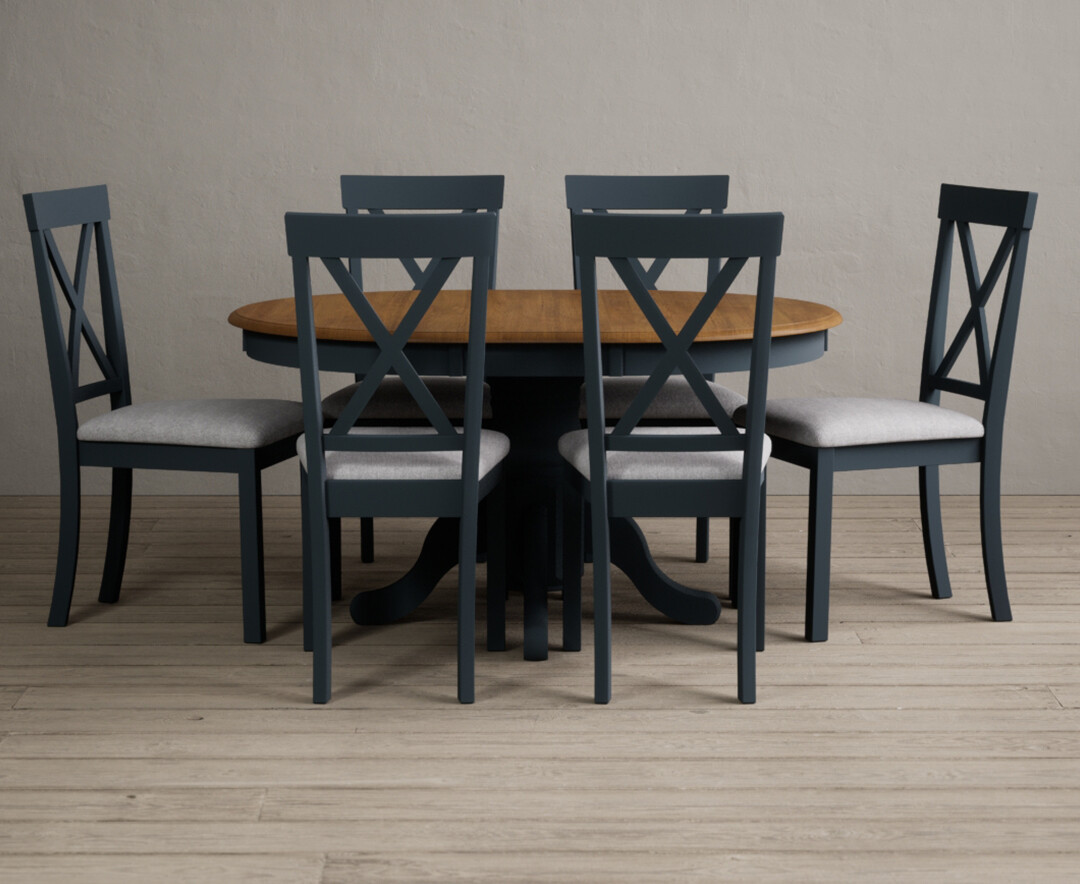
(922, 742)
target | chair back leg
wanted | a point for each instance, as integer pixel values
(67, 553)
(990, 524)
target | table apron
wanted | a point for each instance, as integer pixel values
(536, 360)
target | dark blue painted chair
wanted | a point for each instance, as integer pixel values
(631, 470)
(240, 436)
(403, 471)
(829, 435)
(376, 195)
(692, 195)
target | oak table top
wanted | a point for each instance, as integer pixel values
(535, 316)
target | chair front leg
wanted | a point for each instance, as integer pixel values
(466, 652)
(119, 528)
(334, 526)
(67, 553)
(932, 533)
(733, 561)
(317, 617)
(601, 545)
(819, 545)
(571, 568)
(252, 576)
(701, 540)
(496, 568)
(746, 625)
(367, 540)
(535, 546)
(761, 569)
(990, 524)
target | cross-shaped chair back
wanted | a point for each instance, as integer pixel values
(64, 312)
(623, 238)
(691, 194)
(378, 194)
(960, 208)
(445, 239)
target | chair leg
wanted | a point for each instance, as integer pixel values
(819, 547)
(932, 534)
(990, 523)
(334, 526)
(733, 562)
(305, 555)
(535, 549)
(761, 569)
(496, 568)
(317, 533)
(67, 553)
(466, 652)
(701, 540)
(571, 569)
(367, 540)
(119, 527)
(746, 624)
(601, 545)
(252, 576)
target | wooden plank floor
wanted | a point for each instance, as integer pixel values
(923, 742)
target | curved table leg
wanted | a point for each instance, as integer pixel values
(630, 553)
(437, 556)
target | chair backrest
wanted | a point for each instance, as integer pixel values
(445, 239)
(959, 208)
(622, 238)
(377, 194)
(64, 312)
(692, 194)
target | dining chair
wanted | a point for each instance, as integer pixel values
(404, 471)
(830, 435)
(241, 436)
(376, 195)
(692, 195)
(631, 470)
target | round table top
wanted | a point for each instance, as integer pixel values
(534, 316)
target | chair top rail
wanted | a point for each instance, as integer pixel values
(319, 235)
(422, 192)
(678, 236)
(48, 209)
(639, 192)
(983, 205)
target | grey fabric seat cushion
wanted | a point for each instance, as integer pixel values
(393, 401)
(406, 465)
(838, 422)
(654, 465)
(203, 423)
(676, 401)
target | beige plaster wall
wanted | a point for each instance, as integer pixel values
(209, 120)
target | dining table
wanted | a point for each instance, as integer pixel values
(534, 366)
